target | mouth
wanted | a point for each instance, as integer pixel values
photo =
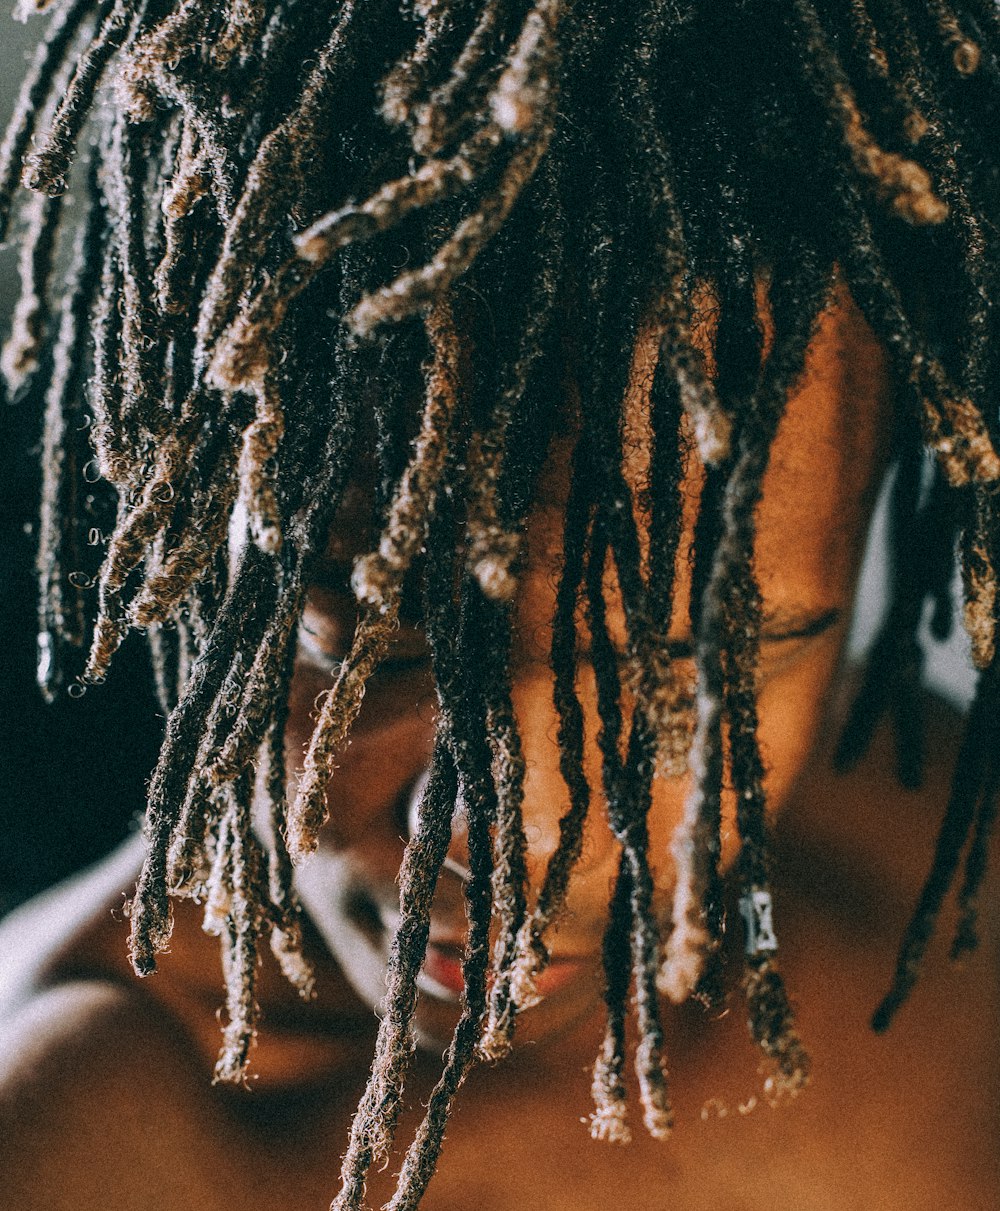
(441, 973)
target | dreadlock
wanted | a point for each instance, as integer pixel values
(290, 220)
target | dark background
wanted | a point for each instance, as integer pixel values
(72, 774)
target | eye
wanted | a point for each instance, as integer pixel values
(784, 640)
(324, 640)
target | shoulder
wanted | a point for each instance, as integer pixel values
(42, 941)
(106, 1098)
(100, 1106)
(99, 1096)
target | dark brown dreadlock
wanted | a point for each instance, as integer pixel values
(253, 176)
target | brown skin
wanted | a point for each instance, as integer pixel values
(104, 1083)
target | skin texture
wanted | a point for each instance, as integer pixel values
(909, 1121)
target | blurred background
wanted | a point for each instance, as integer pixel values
(72, 774)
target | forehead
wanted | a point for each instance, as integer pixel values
(824, 465)
(828, 455)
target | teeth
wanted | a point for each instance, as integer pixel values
(427, 981)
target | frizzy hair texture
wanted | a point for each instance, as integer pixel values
(290, 220)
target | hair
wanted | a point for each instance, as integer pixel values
(290, 220)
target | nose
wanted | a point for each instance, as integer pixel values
(545, 797)
(545, 793)
(456, 861)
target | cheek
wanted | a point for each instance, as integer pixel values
(792, 708)
(389, 747)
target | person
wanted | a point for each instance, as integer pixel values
(492, 399)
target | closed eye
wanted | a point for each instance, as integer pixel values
(408, 652)
(780, 628)
(777, 630)
(325, 644)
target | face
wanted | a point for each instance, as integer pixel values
(812, 521)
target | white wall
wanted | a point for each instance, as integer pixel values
(949, 668)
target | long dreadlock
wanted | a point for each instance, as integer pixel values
(253, 176)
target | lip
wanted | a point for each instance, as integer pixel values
(441, 974)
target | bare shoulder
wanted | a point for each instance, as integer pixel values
(81, 1064)
(106, 1098)
(85, 1053)
(45, 939)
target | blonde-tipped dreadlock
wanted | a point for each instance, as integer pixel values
(300, 216)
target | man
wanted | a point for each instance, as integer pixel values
(671, 320)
